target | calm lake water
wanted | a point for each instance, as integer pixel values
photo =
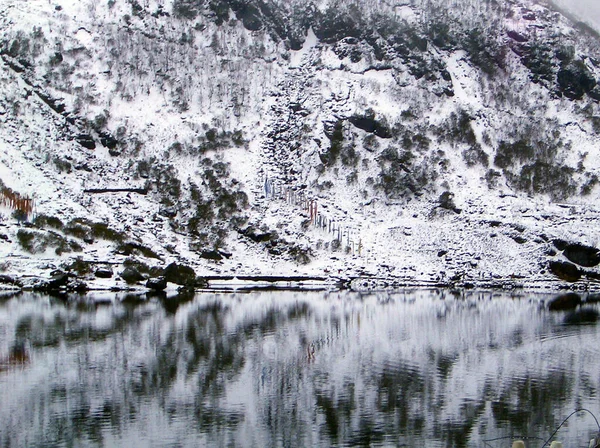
(287, 369)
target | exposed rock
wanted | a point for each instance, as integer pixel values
(131, 275)
(104, 273)
(516, 36)
(446, 201)
(180, 274)
(580, 254)
(368, 123)
(565, 271)
(62, 282)
(560, 244)
(78, 286)
(58, 281)
(85, 140)
(168, 212)
(519, 239)
(108, 141)
(564, 302)
(8, 280)
(157, 284)
(257, 236)
(225, 253)
(249, 15)
(211, 255)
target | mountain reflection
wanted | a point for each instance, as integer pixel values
(416, 369)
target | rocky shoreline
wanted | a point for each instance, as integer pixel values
(565, 266)
(179, 278)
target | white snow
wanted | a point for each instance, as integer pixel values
(159, 91)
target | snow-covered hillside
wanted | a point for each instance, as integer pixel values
(440, 141)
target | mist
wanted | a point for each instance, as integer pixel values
(586, 10)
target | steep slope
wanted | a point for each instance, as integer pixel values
(429, 141)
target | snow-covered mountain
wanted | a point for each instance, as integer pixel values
(426, 140)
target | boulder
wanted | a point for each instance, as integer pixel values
(257, 236)
(104, 273)
(582, 255)
(108, 141)
(369, 124)
(78, 286)
(8, 280)
(180, 274)
(131, 275)
(516, 36)
(211, 255)
(62, 282)
(157, 284)
(85, 140)
(565, 271)
(58, 281)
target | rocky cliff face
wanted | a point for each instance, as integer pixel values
(444, 141)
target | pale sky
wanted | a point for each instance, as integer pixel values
(586, 10)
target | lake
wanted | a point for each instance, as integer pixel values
(422, 368)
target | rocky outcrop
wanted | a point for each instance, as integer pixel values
(157, 284)
(86, 140)
(580, 254)
(180, 274)
(103, 273)
(565, 271)
(131, 275)
(61, 282)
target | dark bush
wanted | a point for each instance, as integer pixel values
(537, 57)
(333, 25)
(80, 266)
(542, 178)
(220, 10)
(509, 153)
(459, 129)
(589, 185)
(575, 80)
(62, 165)
(26, 240)
(300, 255)
(483, 51)
(336, 137)
(492, 177)
(43, 221)
(38, 242)
(102, 231)
(349, 156)
(78, 228)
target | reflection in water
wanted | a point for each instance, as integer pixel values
(417, 369)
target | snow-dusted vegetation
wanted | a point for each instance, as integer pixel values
(444, 141)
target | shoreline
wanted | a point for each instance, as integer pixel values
(82, 285)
